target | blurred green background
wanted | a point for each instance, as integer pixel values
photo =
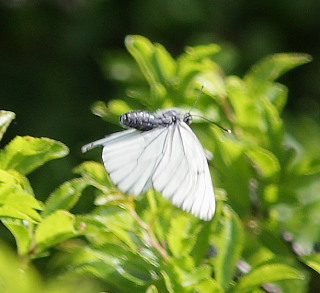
(54, 55)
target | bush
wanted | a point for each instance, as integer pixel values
(265, 231)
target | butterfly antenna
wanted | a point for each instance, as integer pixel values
(214, 123)
(196, 101)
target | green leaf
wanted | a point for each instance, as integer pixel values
(201, 245)
(13, 181)
(198, 53)
(271, 68)
(152, 289)
(65, 197)
(95, 174)
(274, 243)
(181, 236)
(143, 52)
(21, 213)
(20, 200)
(232, 163)
(264, 161)
(274, 129)
(277, 94)
(16, 197)
(16, 276)
(229, 249)
(21, 231)
(313, 261)
(164, 64)
(27, 153)
(197, 275)
(208, 285)
(174, 271)
(110, 112)
(57, 227)
(123, 269)
(267, 273)
(5, 119)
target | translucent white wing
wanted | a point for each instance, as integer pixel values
(182, 175)
(130, 157)
(169, 159)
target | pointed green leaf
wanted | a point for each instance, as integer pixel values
(197, 275)
(271, 68)
(65, 197)
(13, 181)
(123, 269)
(233, 166)
(266, 164)
(95, 174)
(277, 94)
(208, 285)
(5, 119)
(181, 236)
(313, 261)
(198, 53)
(267, 273)
(16, 277)
(23, 213)
(152, 289)
(20, 200)
(201, 245)
(57, 227)
(274, 130)
(164, 64)
(27, 153)
(143, 52)
(21, 231)
(229, 249)
(110, 112)
(16, 197)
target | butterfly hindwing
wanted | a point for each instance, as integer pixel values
(183, 175)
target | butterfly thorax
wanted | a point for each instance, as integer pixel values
(144, 120)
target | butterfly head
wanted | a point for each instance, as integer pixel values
(187, 118)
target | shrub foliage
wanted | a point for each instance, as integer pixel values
(265, 231)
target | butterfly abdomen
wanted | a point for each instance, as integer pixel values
(144, 120)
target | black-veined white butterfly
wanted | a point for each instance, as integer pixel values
(160, 151)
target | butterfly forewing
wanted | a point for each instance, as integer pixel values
(168, 157)
(131, 163)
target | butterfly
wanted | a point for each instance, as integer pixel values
(160, 151)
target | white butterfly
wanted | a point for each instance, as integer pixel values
(160, 151)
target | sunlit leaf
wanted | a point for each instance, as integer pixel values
(5, 119)
(164, 64)
(21, 213)
(21, 230)
(27, 153)
(95, 174)
(265, 162)
(181, 236)
(55, 228)
(313, 261)
(65, 197)
(271, 68)
(229, 249)
(13, 181)
(152, 289)
(143, 52)
(267, 273)
(16, 277)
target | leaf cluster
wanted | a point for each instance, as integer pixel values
(264, 233)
